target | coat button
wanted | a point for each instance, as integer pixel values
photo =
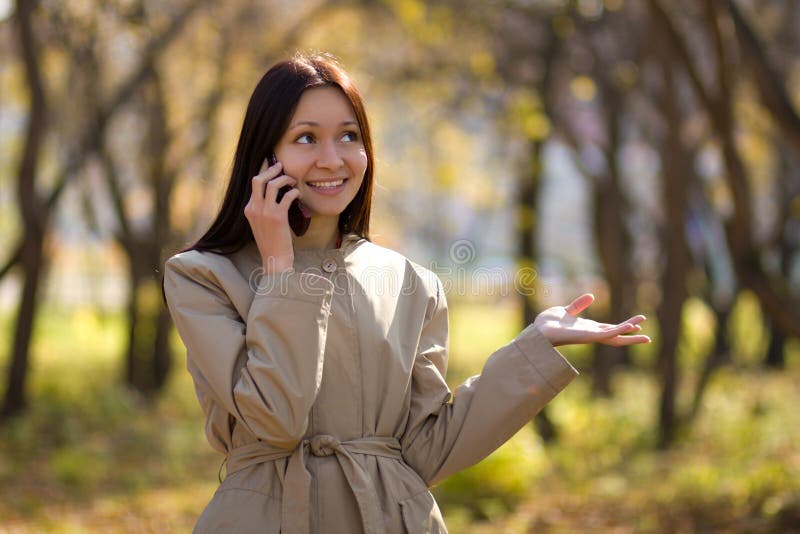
(329, 265)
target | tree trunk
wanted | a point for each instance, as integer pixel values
(676, 174)
(149, 357)
(775, 358)
(669, 319)
(33, 216)
(720, 355)
(162, 355)
(613, 242)
(527, 199)
(132, 358)
(613, 247)
(16, 393)
(148, 360)
(527, 196)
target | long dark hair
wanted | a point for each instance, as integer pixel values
(271, 107)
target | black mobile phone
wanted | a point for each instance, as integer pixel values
(299, 214)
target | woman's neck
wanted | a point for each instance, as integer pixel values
(322, 234)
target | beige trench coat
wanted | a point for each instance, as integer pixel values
(325, 388)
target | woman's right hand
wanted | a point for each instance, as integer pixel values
(269, 219)
(562, 326)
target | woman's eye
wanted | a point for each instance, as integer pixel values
(305, 139)
(349, 137)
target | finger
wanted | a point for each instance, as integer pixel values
(288, 198)
(579, 304)
(617, 330)
(271, 193)
(626, 327)
(606, 328)
(259, 184)
(270, 171)
(622, 341)
(636, 319)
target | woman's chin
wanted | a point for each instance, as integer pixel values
(325, 216)
(326, 209)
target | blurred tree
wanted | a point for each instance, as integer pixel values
(706, 238)
(772, 289)
(765, 66)
(718, 100)
(529, 43)
(144, 236)
(785, 241)
(677, 176)
(148, 358)
(611, 52)
(35, 206)
(32, 209)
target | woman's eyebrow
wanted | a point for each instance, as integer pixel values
(314, 123)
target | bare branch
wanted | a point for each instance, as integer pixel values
(96, 129)
(771, 88)
(664, 21)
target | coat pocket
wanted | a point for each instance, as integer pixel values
(421, 514)
(241, 511)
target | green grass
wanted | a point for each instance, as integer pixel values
(90, 456)
(736, 469)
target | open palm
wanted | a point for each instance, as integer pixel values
(562, 326)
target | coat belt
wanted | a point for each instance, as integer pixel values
(295, 506)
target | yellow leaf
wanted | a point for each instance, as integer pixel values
(525, 218)
(583, 88)
(411, 12)
(563, 26)
(482, 64)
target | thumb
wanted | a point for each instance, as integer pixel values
(575, 307)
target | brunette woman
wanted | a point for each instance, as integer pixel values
(320, 359)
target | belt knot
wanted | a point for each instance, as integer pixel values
(323, 445)
(296, 505)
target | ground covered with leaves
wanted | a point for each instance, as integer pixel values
(90, 456)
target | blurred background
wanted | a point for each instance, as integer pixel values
(528, 150)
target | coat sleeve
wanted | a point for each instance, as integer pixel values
(264, 368)
(447, 433)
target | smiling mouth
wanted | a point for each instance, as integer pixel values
(327, 184)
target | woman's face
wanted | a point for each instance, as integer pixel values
(322, 149)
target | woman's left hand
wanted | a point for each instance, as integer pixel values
(562, 326)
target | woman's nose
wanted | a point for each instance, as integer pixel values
(329, 157)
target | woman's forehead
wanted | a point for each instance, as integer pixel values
(323, 105)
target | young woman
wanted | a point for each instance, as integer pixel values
(320, 359)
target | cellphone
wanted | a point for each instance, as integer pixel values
(299, 214)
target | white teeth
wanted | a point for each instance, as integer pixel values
(323, 185)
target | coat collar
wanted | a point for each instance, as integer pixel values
(350, 242)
